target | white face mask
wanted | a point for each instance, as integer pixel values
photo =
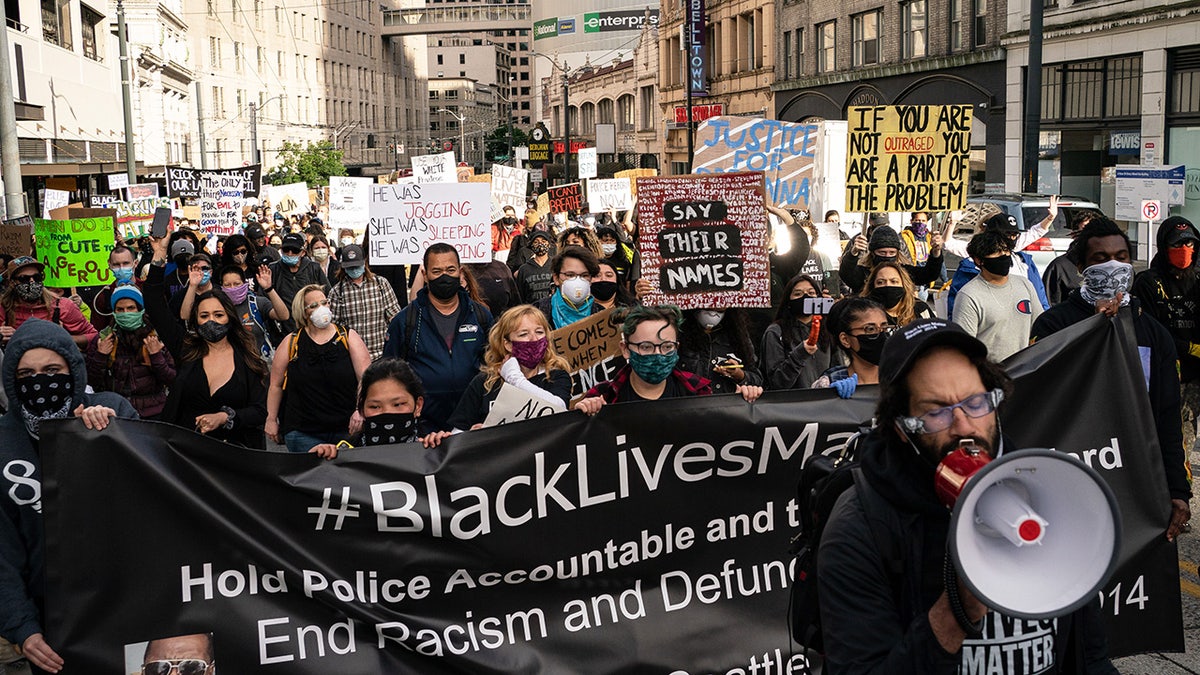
(321, 317)
(590, 221)
(576, 290)
(709, 318)
(608, 249)
(560, 218)
(346, 241)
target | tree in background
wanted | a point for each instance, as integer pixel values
(312, 163)
(497, 143)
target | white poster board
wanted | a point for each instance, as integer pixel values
(54, 199)
(349, 202)
(513, 405)
(437, 168)
(1136, 184)
(289, 199)
(508, 187)
(587, 162)
(220, 204)
(118, 181)
(406, 218)
(609, 193)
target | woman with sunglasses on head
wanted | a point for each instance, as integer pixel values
(650, 344)
(319, 367)
(220, 386)
(861, 327)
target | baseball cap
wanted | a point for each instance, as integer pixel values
(352, 256)
(254, 231)
(292, 240)
(1179, 230)
(538, 233)
(23, 261)
(182, 247)
(909, 342)
(1002, 222)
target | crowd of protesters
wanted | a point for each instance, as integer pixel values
(285, 333)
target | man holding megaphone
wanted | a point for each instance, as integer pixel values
(960, 553)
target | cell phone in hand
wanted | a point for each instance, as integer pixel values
(162, 218)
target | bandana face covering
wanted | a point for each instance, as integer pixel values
(44, 396)
(388, 428)
(1104, 280)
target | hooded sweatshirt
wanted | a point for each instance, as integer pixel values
(1169, 295)
(22, 537)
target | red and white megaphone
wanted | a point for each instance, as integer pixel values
(1033, 534)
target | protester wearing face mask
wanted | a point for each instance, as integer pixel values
(535, 278)
(1022, 265)
(44, 378)
(650, 346)
(715, 344)
(860, 327)
(503, 232)
(318, 367)
(200, 280)
(128, 357)
(889, 285)
(1101, 251)
(25, 297)
(790, 359)
(122, 264)
(293, 272)
(519, 353)
(607, 292)
(238, 251)
(571, 301)
(919, 237)
(885, 245)
(622, 255)
(583, 237)
(1167, 290)
(362, 301)
(345, 239)
(996, 307)
(257, 235)
(220, 387)
(442, 334)
(519, 252)
(319, 251)
(390, 400)
(252, 306)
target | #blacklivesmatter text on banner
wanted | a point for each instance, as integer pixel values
(783, 151)
(220, 204)
(406, 218)
(75, 252)
(908, 158)
(707, 238)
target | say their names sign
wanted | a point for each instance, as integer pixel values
(707, 238)
(406, 218)
(908, 158)
(565, 198)
(783, 151)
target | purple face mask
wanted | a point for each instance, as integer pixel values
(237, 294)
(529, 353)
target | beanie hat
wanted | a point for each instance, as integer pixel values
(128, 291)
(884, 237)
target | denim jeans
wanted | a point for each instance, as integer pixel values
(300, 441)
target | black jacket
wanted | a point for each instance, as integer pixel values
(1163, 384)
(877, 621)
(854, 272)
(1172, 296)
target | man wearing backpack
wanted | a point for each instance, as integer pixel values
(884, 604)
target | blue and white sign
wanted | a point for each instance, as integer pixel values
(1125, 142)
(1136, 184)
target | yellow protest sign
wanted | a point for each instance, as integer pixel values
(908, 157)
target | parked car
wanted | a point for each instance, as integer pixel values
(1029, 210)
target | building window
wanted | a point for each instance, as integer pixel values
(786, 56)
(440, 59)
(647, 108)
(56, 23)
(826, 47)
(237, 57)
(604, 112)
(214, 51)
(799, 52)
(915, 35)
(866, 38)
(1185, 81)
(980, 25)
(956, 16)
(625, 112)
(89, 19)
(1092, 90)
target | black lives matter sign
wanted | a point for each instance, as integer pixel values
(706, 238)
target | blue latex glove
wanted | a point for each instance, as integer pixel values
(845, 388)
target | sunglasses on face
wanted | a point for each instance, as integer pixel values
(26, 278)
(181, 666)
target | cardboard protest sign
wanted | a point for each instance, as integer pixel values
(783, 151)
(592, 348)
(75, 252)
(16, 236)
(587, 162)
(289, 199)
(349, 202)
(513, 405)
(543, 205)
(464, 173)
(437, 168)
(134, 217)
(54, 199)
(142, 190)
(220, 204)
(183, 183)
(908, 157)
(565, 198)
(634, 174)
(609, 193)
(704, 240)
(405, 219)
(508, 186)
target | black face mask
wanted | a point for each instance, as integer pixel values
(883, 258)
(870, 347)
(796, 306)
(389, 428)
(509, 221)
(444, 287)
(604, 290)
(998, 266)
(888, 296)
(43, 395)
(212, 331)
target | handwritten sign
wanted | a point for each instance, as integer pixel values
(706, 237)
(349, 202)
(183, 183)
(135, 217)
(908, 157)
(592, 348)
(16, 235)
(513, 405)
(142, 190)
(437, 168)
(508, 186)
(54, 199)
(118, 181)
(587, 162)
(75, 252)
(289, 199)
(634, 174)
(565, 198)
(220, 204)
(783, 151)
(405, 219)
(609, 193)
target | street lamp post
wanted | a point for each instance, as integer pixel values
(566, 114)
(462, 147)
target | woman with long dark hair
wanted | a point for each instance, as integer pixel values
(128, 358)
(716, 344)
(221, 386)
(889, 285)
(238, 250)
(861, 327)
(790, 359)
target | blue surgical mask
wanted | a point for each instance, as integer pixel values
(205, 277)
(653, 368)
(123, 275)
(355, 272)
(290, 260)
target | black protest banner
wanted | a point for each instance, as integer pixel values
(1083, 391)
(184, 183)
(650, 538)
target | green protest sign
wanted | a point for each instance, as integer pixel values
(75, 252)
